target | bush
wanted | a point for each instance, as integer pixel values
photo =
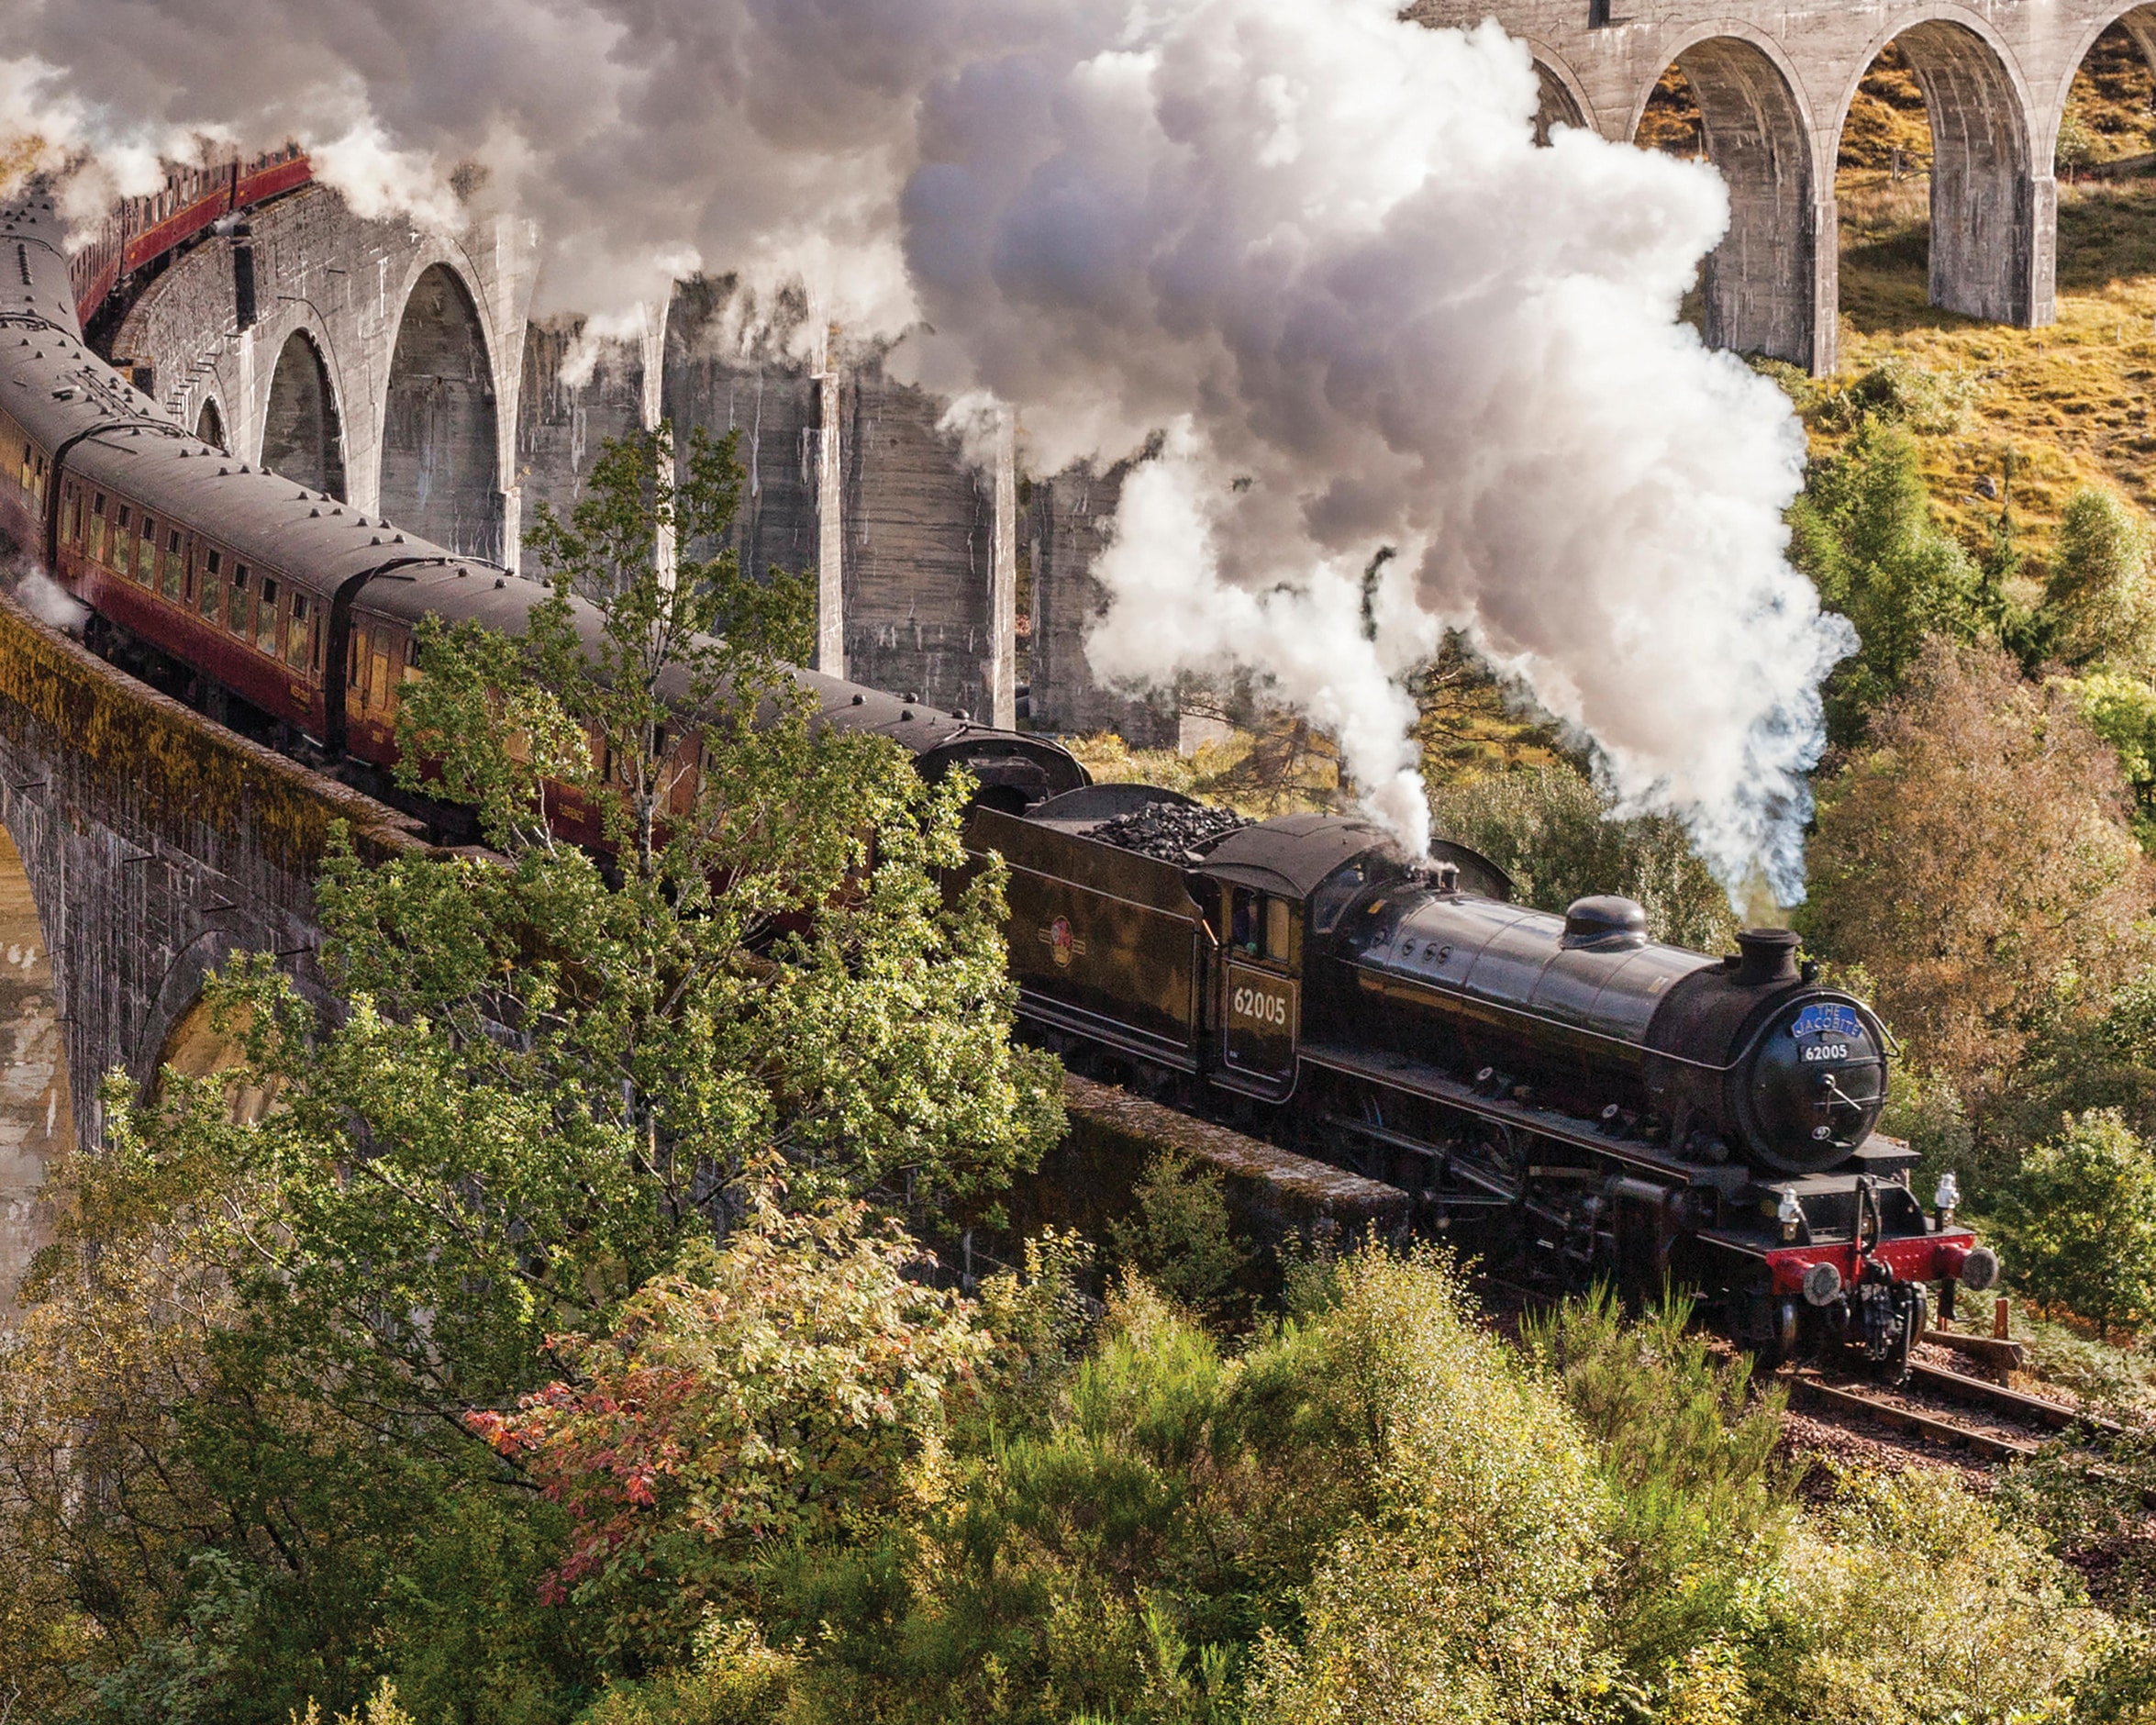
(2077, 1222)
(1552, 831)
(2120, 707)
(1692, 1462)
(1466, 1591)
(2098, 602)
(779, 1387)
(2002, 1632)
(1177, 1236)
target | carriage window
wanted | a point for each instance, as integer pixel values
(356, 678)
(175, 569)
(236, 612)
(378, 673)
(265, 613)
(146, 554)
(212, 594)
(299, 634)
(97, 526)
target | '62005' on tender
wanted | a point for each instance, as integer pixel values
(1557, 1084)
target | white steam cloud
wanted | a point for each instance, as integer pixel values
(1314, 245)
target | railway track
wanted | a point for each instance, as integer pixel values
(1985, 1421)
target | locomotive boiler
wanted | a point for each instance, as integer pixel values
(1559, 1086)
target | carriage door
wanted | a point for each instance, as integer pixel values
(1260, 997)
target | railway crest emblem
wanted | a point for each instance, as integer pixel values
(1062, 943)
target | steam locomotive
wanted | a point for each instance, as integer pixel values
(1608, 1107)
(1558, 1085)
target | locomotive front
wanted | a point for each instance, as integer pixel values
(1751, 1057)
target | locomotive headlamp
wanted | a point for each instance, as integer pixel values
(1948, 1194)
(1822, 1285)
(1790, 1214)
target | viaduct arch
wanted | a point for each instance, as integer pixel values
(303, 435)
(1774, 87)
(441, 426)
(417, 347)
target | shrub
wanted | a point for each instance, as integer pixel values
(1700, 1495)
(2097, 601)
(2003, 1633)
(1466, 1591)
(1177, 1236)
(1552, 831)
(1863, 531)
(2077, 1221)
(779, 1387)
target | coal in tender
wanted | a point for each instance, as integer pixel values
(1172, 833)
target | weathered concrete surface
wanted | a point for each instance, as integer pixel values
(348, 285)
(37, 1114)
(151, 844)
(1774, 85)
(1066, 533)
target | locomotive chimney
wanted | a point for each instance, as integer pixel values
(1767, 956)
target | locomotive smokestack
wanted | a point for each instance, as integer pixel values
(1766, 956)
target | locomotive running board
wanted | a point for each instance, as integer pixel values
(1433, 1085)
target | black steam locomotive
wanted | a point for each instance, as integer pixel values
(1612, 1107)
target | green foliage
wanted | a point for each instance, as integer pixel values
(1177, 1236)
(1464, 1588)
(2097, 603)
(1558, 839)
(774, 1388)
(2006, 1634)
(546, 1078)
(1863, 531)
(734, 1679)
(1701, 1498)
(2077, 1222)
(1898, 391)
(2120, 707)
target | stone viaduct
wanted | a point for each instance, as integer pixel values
(1774, 83)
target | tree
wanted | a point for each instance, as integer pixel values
(1863, 531)
(2097, 604)
(1552, 831)
(2077, 1222)
(547, 1079)
(1974, 858)
(778, 1387)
